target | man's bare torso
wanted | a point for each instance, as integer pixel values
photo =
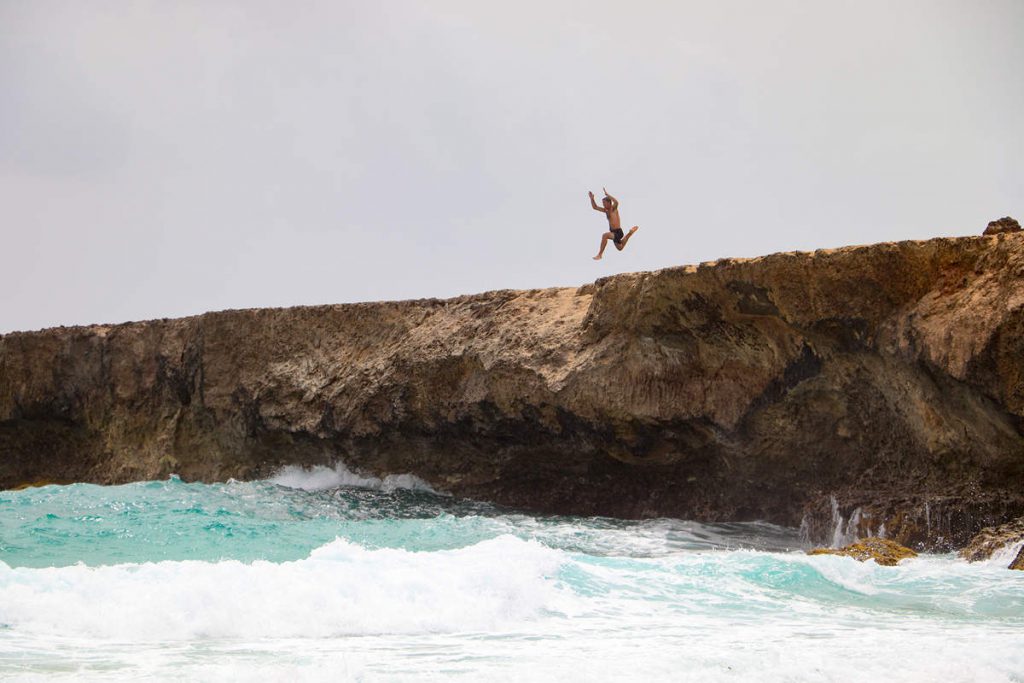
(613, 218)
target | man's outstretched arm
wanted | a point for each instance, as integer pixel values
(615, 202)
(594, 204)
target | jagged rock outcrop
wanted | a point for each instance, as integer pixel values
(1018, 562)
(883, 382)
(1004, 224)
(991, 539)
(883, 551)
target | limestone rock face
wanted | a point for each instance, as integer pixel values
(1005, 224)
(884, 552)
(991, 539)
(882, 383)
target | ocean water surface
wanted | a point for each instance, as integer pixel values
(325, 575)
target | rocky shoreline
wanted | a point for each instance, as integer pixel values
(862, 391)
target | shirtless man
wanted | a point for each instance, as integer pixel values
(610, 208)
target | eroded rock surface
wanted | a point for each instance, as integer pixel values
(885, 552)
(887, 379)
(1005, 224)
(991, 539)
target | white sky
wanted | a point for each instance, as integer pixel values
(166, 158)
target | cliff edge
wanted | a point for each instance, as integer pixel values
(874, 390)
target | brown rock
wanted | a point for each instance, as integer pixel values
(910, 518)
(1005, 224)
(32, 484)
(1018, 562)
(991, 539)
(884, 552)
(737, 390)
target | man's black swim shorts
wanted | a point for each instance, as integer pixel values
(618, 235)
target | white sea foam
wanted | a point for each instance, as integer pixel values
(509, 609)
(1002, 557)
(319, 478)
(446, 596)
(341, 589)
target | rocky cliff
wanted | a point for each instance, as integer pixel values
(873, 390)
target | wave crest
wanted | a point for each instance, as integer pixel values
(340, 589)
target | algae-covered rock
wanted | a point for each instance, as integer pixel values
(1018, 562)
(882, 551)
(992, 538)
(32, 484)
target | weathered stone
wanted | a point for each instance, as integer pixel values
(1005, 224)
(883, 551)
(1018, 562)
(31, 485)
(885, 376)
(991, 539)
(916, 520)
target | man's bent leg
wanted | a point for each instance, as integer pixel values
(622, 245)
(604, 243)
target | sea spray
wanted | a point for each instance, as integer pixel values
(319, 478)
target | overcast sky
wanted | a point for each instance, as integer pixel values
(166, 158)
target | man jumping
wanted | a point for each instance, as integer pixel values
(610, 209)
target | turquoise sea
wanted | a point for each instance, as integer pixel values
(325, 575)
